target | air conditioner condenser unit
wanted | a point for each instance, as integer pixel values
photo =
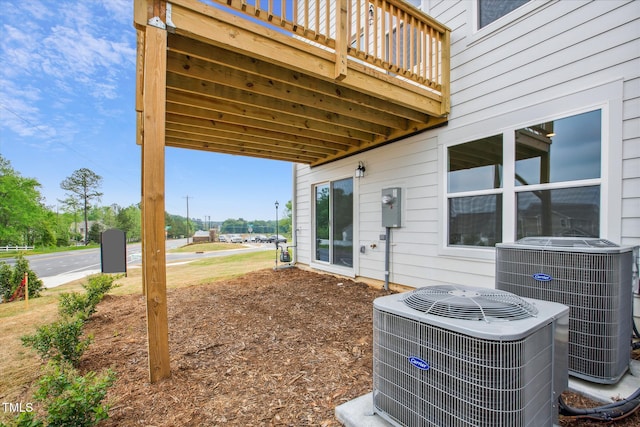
(460, 356)
(594, 278)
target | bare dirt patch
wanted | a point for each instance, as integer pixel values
(272, 348)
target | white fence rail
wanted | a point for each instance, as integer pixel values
(15, 248)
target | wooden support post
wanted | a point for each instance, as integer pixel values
(342, 39)
(140, 118)
(445, 77)
(142, 227)
(153, 176)
(140, 34)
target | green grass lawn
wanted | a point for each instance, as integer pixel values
(207, 247)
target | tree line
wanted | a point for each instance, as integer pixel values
(79, 218)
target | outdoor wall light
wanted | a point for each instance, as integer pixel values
(360, 170)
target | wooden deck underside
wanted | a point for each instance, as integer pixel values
(239, 87)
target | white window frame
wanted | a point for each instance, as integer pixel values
(505, 21)
(607, 98)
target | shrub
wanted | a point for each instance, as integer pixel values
(70, 399)
(6, 279)
(74, 304)
(59, 341)
(98, 286)
(10, 278)
(26, 419)
(84, 305)
(19, 269)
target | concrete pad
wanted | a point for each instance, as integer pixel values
(607, 393)
(359, 413)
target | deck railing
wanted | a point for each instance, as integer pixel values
(389, 35)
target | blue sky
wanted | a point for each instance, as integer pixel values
(67, 85)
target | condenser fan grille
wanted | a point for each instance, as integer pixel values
(457, 302)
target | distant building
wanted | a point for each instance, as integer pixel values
(202, 236)
(78, 227)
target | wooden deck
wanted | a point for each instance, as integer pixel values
(306, 81)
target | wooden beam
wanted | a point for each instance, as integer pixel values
(142, 230)
(273, 105)
(446, 74)
(262, 84)
(181, 101)
(218, 55)
(342, 36)
(240, 144)
(215, 147)
(139, 68)
(153, 176)
(175, 120)
(241, 138)
(140, 14)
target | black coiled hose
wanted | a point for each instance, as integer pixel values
(610, 412)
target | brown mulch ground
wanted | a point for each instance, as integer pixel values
(273, 348)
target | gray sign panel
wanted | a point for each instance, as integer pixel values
(113, 253)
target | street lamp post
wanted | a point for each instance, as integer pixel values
(277, 204)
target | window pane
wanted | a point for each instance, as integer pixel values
(342, 193)
(322, 222)
(476, 220)
(476, 165)
(491, 10)
(562, 150)
(563, 212)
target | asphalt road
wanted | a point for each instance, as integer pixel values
(62, 267)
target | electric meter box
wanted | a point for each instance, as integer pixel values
(391, 207)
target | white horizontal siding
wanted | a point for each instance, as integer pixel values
(302, 211)
(630, 221)
(556, 50)
(411, 164)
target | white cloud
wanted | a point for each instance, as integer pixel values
(105, 90)
(19, 51)
(20, 112)
(122, 10)
(37, 9)
(72, 46)
(56, 56)
(73, 53)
